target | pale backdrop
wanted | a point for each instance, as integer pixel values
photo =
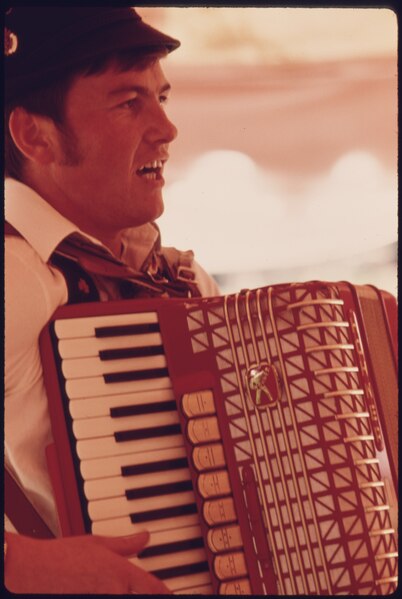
(285, 168)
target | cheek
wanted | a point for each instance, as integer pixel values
(115, 150)
(109, 148)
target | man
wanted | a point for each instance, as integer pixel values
(87, 140)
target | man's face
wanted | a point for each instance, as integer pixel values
(111, 153)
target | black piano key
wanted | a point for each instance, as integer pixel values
(161, 513)
(127, 329)
(147, 433)
(185, 570)
(131, 352)
(174, 547)
(135, 375)
(173, 464)
(152, 408)
(162, 489)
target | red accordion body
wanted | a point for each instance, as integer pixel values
(254, 435)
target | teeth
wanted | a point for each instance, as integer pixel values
(154, 164)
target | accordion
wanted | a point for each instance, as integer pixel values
(254, 435)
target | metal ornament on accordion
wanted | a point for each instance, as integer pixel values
(254, 435)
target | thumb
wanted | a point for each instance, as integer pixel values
(124, 545)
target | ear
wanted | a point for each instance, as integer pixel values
(33, 135)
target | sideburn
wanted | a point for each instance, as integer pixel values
(69, 145)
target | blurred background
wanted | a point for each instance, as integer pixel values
(285, 167)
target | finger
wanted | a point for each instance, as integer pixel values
(124, 545)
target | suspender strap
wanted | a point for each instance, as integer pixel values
(10, 230)
(21, 512)
(80, 285)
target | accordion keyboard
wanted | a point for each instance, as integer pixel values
(128, 443)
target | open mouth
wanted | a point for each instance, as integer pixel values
(151, 170)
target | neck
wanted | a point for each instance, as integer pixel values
(113, 243)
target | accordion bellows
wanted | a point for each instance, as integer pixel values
(254, 435)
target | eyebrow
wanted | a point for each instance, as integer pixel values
(138, 89)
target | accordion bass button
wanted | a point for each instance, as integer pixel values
(230, 565)
(219, 511)
(235, 587)
(224, 538)
(213, 484)
(198, 403)
(202, 430)
(208, 457)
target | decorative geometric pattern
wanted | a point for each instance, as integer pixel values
(320, 474)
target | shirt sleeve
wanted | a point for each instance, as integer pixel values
(33, 291)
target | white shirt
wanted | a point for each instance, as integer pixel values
(33, 291)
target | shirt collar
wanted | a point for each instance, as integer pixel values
(37, 221)
(44, 228)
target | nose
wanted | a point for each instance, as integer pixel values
(161, 130)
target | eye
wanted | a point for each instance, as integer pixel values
(163, 99)
(131, 103)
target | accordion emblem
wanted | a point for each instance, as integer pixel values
(253, 435)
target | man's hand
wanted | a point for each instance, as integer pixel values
(84, 564)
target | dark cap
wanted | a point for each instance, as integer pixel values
(42, 41)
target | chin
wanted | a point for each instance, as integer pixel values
(159, 209)
(148, 216)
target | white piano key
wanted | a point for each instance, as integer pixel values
(184, 582)
(101, 406)
(123, 526)
(108, 446)
(90, 428)
(68, 328)
(86, 367)
(117, 485)
(111, 466)
(120, 506)
(91, 346)
(170, 560)
(166, 536)
(95, 386)
(204, 589)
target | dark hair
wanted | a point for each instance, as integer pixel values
(49, 100)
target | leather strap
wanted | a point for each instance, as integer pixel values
(10, 230)
(80, 285)
(21, 512)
